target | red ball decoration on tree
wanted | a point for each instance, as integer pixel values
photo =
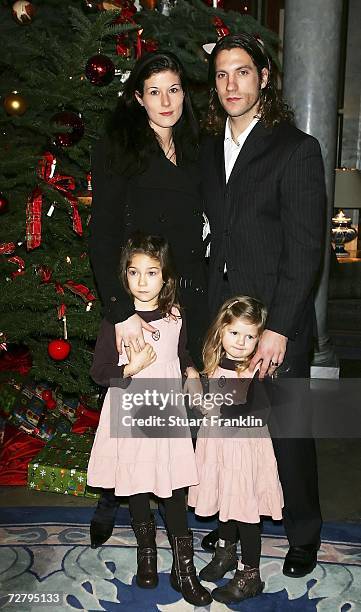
(100, 70)
(4, 204)
(71, 120)
(47, 395)
(51, 404)
(59, 349)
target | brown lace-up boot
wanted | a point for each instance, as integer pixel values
(224, 560)
(245, 583)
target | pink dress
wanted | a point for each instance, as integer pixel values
(238, 476)
(141, 465)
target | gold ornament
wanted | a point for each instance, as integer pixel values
(23, 12)
(15, 104)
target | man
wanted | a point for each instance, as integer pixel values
(265, 200)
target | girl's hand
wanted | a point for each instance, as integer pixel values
(193, 385)
(140, 360)
(130, 333)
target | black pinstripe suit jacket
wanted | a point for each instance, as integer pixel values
(267, 223)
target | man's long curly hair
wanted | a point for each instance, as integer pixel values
(272, 108)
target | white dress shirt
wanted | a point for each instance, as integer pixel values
(232, 148)
(231, 152)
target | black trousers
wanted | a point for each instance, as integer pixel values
(174, 506)
(296, 457)
(194, 300)
(249, 535)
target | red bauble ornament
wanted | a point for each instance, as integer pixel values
(47, 395)
(23, 12)
(51, 404)
(59, 349)
(100, 70)
(71, 120)
(150, 45)
(4, 204)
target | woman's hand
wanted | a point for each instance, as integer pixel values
(130, 333)
(193, 385)
(140, 360)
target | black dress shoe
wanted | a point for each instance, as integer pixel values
(301, 560)
(210, 540)
(100, 533)
(102, 524)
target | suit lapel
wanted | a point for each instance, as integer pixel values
(219, 158)
(255, 143)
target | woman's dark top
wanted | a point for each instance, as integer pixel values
(164, 200)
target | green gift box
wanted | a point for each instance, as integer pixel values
(73, 442)
(62, 467)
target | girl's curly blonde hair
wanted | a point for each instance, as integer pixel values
(238, 307)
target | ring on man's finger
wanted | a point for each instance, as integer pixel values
(274, 363)
(126, 345)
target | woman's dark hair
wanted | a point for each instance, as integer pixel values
(132, 141)
(272, 108)
(157, 248)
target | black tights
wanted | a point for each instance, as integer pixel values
(175, 511)
(250, 538)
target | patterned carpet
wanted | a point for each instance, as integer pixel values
(45, 550)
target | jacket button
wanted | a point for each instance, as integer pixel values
(162, 218)
(113, 299)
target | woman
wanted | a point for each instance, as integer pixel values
(145, 177)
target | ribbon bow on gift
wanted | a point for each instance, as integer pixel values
(63, 184)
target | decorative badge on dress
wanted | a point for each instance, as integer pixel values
(221, 381)
(156, 335)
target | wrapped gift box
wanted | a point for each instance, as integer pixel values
(61, 467)
(67, 405)
(38, 420)
(31, 415)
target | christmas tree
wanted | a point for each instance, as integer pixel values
(67, 62)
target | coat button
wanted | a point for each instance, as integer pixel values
(113, 299)
(162, 218)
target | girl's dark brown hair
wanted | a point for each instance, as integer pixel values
(157, 248)
(238, 307)
(272, 108)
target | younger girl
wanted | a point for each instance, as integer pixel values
(238, 475)
(136, 467)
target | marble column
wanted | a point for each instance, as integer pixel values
(310, 85)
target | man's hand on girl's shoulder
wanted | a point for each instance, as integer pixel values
(130, 333)
(270, 351)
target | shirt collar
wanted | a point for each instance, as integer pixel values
(243, 135)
